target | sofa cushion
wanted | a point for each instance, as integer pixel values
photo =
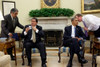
(35, 50)
(98, 59)
(5, 61)
(1, 53)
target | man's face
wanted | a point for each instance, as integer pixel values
(79, 18)
(33, 22)
(14, 15)
(75, 22)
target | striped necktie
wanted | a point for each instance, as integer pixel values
(13, 21)
(86, 33)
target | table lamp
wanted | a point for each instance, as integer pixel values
(1, 17)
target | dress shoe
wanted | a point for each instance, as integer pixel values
(44, 65)
(83, 61)
(29, 64)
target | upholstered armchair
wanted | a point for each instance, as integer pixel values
(82, 48)
(98, 61)
(5, 60)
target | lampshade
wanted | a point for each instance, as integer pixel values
(1, 17)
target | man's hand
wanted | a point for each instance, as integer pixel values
(34, 28)
(10, 34)
(85, 28)
(27, 29)
(78, 38)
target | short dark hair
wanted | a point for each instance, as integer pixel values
(78, 15)
(35, 19)
(72, 19)
(13, 10)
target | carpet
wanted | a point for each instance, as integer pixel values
(52, 60)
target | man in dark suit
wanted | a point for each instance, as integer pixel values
(32, 39)
(72, 35)
(8, 26)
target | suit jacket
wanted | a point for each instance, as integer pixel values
(7, 25)
(68, 30)
(39, 35)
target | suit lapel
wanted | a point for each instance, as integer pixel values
(30, 33)
(37, 26)
(16, 21)
(70, 30)
(77, 30)
(10, 20)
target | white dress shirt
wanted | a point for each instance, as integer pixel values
(25, 33)
(92, 22)
(73, 32)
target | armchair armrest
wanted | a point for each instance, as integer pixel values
(5, 61)
(1, 53)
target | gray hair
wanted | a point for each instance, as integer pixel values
(13, 10)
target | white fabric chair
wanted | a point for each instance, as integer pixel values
(5, 60)
(98, 61)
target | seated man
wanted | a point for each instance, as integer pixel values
(32, 38)
(72, 35)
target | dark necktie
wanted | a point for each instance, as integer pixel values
(75, 31)
(86, 33)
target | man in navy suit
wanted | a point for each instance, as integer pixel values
(32, 38)
(72, 35)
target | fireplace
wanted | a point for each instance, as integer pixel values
(53, 38)
(53, 28)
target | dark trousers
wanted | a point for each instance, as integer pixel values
(97, 33)
(9, 51)
(40, 46)
(74, 48)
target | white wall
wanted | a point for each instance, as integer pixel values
(24, 6)
(1, 11)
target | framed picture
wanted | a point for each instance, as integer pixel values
(90, 6)
(7, 6)
(50, 3)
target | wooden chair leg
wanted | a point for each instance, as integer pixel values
(68, 53)
(95, 63)
(23, 54)
(81, 64)
(59, 57)
(15, 55)
(91, 46)
(23, 63)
